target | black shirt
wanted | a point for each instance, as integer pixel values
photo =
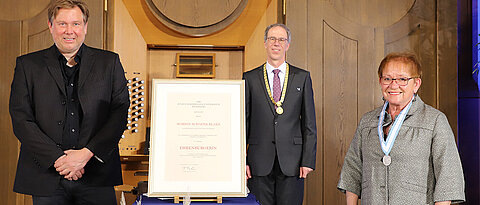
(73, 110)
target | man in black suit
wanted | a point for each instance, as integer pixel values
(69, 105)
(281, 127)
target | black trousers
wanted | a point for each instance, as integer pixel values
(277, 188)
(78, 193)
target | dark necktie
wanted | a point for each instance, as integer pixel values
(276, 85)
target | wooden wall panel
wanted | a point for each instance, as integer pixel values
(372, 12)
(39, 41)
(368, 90)
(296, 54)
(10, 44)
(447, 60)
(255, 54)
(37, 34)
(416, 32)
(340, 105)
(235, 65)
(96, 27)
(37, 24)
(309, 46)
(323, 49)
(21, 9)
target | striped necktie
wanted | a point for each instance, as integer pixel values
(277, 90)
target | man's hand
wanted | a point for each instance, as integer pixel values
(304, 171)
(249, 175)
(72, 163)
(78, 175)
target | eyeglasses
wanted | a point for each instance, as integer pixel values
(274, 39)
(399, 81)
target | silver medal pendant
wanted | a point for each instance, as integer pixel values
(386, 160)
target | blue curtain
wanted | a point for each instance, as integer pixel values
(476, 41)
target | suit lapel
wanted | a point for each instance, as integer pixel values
(262, 82)
(86, 65)
(290, 86)
(54, 68)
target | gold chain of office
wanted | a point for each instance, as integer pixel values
(279, 108)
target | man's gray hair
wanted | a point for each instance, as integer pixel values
(289, 35)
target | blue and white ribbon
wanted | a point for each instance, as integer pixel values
(394, 129)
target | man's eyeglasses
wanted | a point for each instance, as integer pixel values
(399, 81)
(280, 40)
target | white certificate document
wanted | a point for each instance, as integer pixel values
(197, 144)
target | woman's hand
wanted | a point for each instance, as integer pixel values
(352, 198)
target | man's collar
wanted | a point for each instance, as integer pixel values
(282, 67)
(78, 56)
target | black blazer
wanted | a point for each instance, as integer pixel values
(37, 109)
(291, 135)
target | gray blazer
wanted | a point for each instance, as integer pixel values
(425, 165)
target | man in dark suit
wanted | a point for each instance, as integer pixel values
(69, 105)
(281, 127)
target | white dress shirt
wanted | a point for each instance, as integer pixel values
(281, 74)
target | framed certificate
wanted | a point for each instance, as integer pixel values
(197, 143)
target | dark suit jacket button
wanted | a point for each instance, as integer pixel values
(60, 122)
(64, 102)
(273, 142)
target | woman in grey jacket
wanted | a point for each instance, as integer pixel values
(403, 152)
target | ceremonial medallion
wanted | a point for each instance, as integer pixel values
(387, 144)
(387, 160)
(279, 103)
(279, 110)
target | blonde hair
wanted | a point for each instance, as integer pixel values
(67, 4)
